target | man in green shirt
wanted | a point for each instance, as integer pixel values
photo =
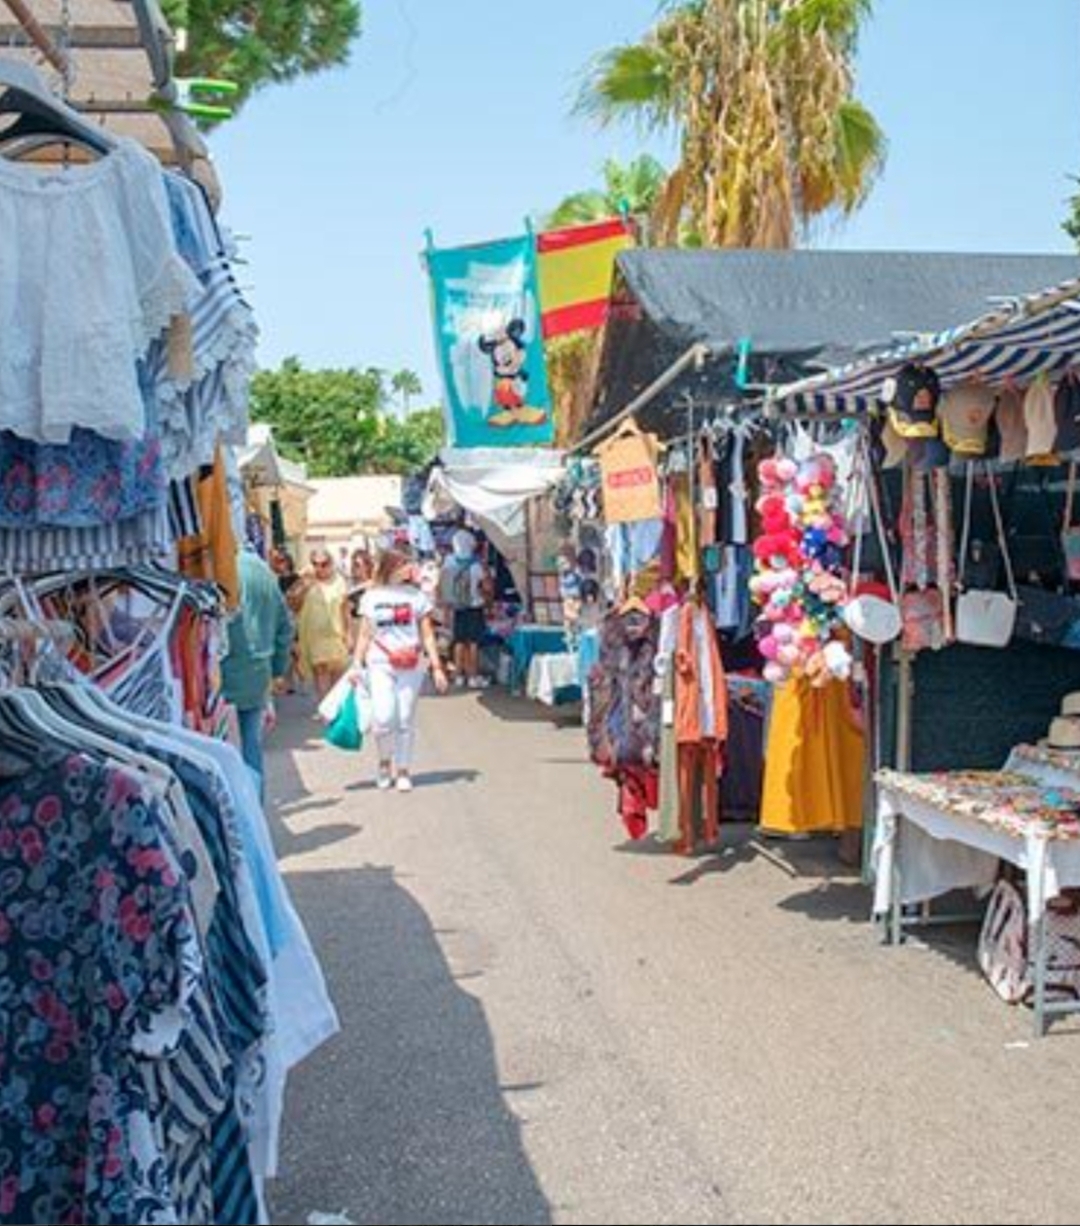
(260, 641)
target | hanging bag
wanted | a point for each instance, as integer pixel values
(985, 618)
(873, 618)
(922, 609)
(1070, 532)
(344, 732)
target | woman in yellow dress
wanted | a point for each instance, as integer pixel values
(323, 625)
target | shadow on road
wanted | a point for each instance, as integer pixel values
(515, 708)
(402, 1118)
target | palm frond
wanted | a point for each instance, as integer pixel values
(579, 209)
(860, 153)
(632, 82)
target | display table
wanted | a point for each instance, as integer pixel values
(941, 832)
(529, 641)
(553, 679)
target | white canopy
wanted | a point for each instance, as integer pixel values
(493, 485)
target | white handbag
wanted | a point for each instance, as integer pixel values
(873, 618)
(985, 618)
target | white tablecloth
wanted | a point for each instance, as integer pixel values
(549, 674)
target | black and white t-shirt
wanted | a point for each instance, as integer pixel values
(395, 614)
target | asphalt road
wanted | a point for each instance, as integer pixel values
(541, 1024)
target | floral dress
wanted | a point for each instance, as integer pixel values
(96, 944)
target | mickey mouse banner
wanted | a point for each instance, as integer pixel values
(489, 346)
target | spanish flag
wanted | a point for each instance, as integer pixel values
(575, 267)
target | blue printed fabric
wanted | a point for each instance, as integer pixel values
(95, 923)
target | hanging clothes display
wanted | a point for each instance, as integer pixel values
(163, 996)
(97, 411)
(155, 974)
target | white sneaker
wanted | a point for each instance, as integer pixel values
(404, 783)
(478, 683)
(459, 682)
(384, 780)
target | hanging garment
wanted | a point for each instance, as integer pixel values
(624, 708)
(700, 682)
(114, 960)
(212, 555)
(744, 759)
(687, 562)
(814, 760)
(98, 277)
(708, 494)
(629, 476)
(667, 825)
(700, 721)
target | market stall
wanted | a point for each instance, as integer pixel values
(984, 657)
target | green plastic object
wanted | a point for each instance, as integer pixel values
(205, 97)
(344, 732)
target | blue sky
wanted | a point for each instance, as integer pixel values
(455, 114)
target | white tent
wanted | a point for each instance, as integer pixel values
(493, 485)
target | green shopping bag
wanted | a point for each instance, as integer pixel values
(344, 732)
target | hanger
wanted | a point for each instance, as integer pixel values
(42, 114)
(634, 604)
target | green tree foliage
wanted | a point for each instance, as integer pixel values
(634, 186)
(406, 384)
(264, 43)
(1071, 225)
(336, 421)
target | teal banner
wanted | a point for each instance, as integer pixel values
(488, 341)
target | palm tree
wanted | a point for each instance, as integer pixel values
(406, 384)
(633, 188)
(761, 93)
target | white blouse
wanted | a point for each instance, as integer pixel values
(89, 275)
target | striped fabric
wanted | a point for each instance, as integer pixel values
(128, 542)
(184, 515)
(1039, 334)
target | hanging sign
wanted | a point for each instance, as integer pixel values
(489, 346)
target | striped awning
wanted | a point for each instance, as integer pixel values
(1026, 336)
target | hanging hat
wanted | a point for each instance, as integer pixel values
(914, 403)
(1064, 734)
(965, 418)
(926, 454)
(1070, 704)
(1067, 413)
(1040, 420)
(1010, 426)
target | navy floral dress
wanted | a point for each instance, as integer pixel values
(95, 930)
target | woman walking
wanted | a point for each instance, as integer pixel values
(323, 625)
(396, 632)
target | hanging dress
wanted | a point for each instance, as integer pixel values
(814, 760)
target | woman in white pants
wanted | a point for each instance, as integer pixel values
(396, 632)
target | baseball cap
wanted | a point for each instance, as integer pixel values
(965, 418)
(913, 401)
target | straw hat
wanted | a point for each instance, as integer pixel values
(1070, 704)
(1064, 734)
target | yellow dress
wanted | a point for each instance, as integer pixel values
(320, 625)
(814, 761)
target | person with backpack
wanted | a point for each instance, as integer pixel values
(464, 583)
(397, 631)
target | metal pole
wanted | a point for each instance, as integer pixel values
(694, 356)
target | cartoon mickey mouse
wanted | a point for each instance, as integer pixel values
(508, 353)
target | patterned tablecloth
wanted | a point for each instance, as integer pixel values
(1006, 800)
